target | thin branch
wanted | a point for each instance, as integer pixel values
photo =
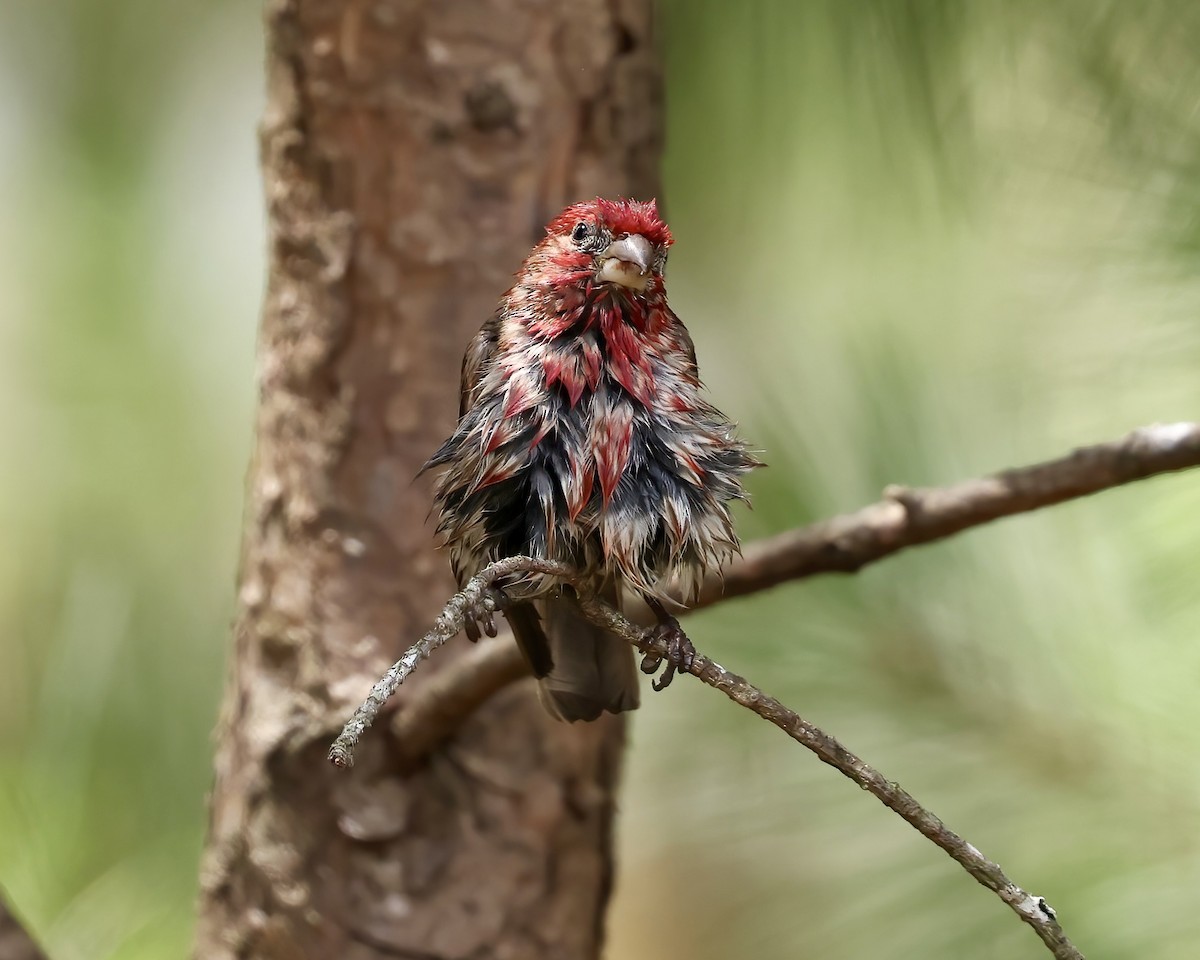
(472, 600)
(904, 518)
(1030, 908)
(440, 705)
(907, 517)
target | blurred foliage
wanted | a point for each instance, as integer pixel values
(918, 240)
(130, 270)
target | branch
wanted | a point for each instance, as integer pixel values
(907, 517)
(474, 597)
(440, 705)
(1032, 909)
(472, 600)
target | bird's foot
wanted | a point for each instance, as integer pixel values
(483, 614)
(680, 656)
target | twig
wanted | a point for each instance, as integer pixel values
(1031, 909)
(904, 518)
(907, 517)
(471, 599)
(440, 705)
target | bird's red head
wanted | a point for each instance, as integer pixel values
(620, 242)
(618, 217)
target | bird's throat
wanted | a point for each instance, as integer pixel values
(612, 339)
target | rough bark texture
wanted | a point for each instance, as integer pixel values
(411, 153)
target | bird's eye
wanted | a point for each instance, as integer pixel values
(580, 232)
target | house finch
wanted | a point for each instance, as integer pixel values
(584, 437)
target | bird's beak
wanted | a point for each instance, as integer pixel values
(627, 261)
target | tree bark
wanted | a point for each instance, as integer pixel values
(411, 154)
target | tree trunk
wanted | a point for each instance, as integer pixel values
(411, 153)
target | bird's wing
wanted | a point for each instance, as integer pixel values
(476, 361)
(684, 341)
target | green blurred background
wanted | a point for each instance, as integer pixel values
(966, 236)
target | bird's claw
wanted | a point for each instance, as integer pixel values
(680, 656)
(483, 614)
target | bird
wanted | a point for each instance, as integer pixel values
(585, 436)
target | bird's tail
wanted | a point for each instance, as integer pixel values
(582, 670)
